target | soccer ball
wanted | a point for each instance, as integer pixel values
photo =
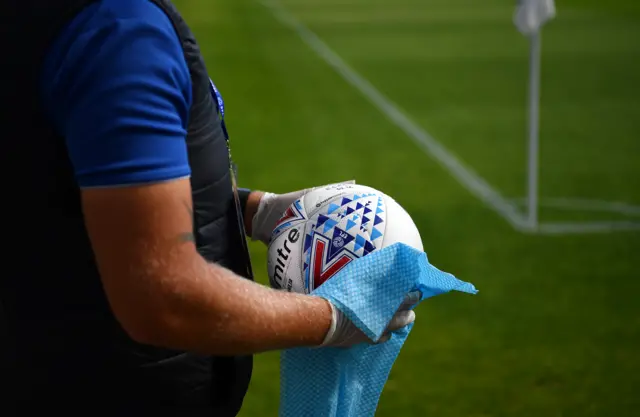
(328, 228)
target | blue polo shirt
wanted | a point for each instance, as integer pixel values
(116, 86)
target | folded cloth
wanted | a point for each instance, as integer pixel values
(348, 382)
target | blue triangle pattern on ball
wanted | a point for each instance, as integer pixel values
(368, 247)
(350, 224)
(307, 242)
(281, 227)
(377, 221)
(360, 242)
(375, 233)
(328, 225)
(345, 201)
(332, 207)
(321, 220)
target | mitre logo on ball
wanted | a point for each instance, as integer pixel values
(328, 228)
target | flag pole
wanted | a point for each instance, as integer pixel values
(534, 128)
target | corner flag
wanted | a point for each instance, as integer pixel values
(530, 15)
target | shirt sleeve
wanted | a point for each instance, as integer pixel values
(117, 88)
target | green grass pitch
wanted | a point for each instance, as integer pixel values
(555, 329)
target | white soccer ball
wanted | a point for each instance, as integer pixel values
(330, 227)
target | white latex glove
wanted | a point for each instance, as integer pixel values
(343, 333)
(271, 208)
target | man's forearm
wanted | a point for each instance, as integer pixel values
(216, 312)
(163, 292)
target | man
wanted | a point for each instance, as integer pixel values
(128, 285)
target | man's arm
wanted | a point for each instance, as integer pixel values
(163, 293)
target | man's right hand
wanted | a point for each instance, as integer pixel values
(343, 333)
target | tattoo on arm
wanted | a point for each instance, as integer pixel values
(188, 236)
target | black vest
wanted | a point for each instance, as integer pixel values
(66, 352)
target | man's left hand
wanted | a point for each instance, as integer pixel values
(269, 209)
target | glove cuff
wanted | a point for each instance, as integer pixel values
(328, 339)
(257, 226)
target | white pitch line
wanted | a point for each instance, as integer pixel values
(465, 176)
(580, 204)
(593, 227)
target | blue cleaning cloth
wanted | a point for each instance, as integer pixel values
(348, 382)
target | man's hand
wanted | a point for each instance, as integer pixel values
(270, 209)
(343, 333)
